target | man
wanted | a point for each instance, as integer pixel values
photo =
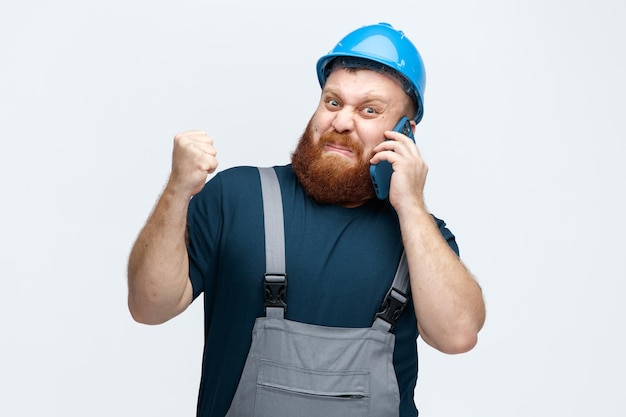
(342, 243)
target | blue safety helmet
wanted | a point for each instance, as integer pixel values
(369, 47)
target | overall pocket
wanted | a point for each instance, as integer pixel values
(287, 391)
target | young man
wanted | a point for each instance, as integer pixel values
(342, 244)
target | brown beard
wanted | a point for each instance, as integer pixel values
(329, 178)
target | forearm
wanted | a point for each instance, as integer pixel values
(158, 268)
(448, 301)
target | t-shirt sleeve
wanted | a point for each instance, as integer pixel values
(447, 235)
(204, 226)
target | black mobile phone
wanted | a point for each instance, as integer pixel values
(381, 172)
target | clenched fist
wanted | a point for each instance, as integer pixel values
(193, 159)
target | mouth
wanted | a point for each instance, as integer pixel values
(338, 149)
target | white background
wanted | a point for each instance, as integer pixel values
(523, 132)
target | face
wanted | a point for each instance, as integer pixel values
(332, 157)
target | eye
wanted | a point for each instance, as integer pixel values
(332, 104)
(369, 112)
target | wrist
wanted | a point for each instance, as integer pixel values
(411, 208)
(177, 191)
(414, 215)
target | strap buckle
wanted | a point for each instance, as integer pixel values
(275, 286)
(392, 307)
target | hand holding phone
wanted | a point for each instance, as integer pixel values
(381, 172)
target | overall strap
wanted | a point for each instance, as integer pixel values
(396, 299)
(275, 281)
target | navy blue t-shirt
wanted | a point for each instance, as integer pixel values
(340, 263)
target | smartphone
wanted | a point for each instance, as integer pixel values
(381, 172)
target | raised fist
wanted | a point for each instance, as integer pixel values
(193, 159)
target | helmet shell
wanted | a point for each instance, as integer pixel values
(385, 45)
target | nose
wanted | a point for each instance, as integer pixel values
(344, 121)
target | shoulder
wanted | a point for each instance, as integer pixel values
(249, 175)
(241, 176)
(240, 183)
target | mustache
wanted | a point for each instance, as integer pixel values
(341, 139)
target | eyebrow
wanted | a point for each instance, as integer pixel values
(368, 97)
